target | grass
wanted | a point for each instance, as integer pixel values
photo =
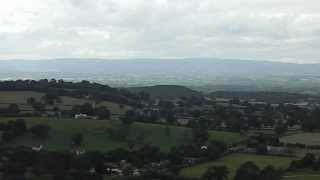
(303, 177)
(303, 138)
(304, 174)
(20, 98)
(234, 161)
(96, 136)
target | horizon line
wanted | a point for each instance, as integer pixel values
(159, 58)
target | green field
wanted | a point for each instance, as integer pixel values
(234, 161)
(303, 138)
(304, 174)
(303, 177)
(20, 98)
(96, 136)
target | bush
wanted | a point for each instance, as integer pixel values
(7, 136)
(77, 139)
(40, 131)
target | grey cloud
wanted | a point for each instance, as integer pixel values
(261, 30)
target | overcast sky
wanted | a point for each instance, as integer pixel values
(276, 30)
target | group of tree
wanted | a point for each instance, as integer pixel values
(102, 112)
(308, 161)
(83, 89)
(311, 122)
(247, 171)
(15, 128)
(12, 129)
(77, 139)
(40, 131)
(12, 110)
(51, 98)
(209, 151)
(250, 171)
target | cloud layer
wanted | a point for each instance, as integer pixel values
(286, 30)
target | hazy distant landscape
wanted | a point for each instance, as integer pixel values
(159, 90)
(200, 74)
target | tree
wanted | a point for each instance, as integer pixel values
(144, 95)
(247, 171)
(31, 100)
(77, 139)
(129, 117)
(167, 131)
(37, 106)
(270, 173)
(170, 116)
(216, 149)
(51, 98)
(216, 173)
(19, 127)
(85, 108)
(128, 170)
(7, 136)
(102, 112)
(13, 109)
(200, 133)
(40, 131)
(281, 129)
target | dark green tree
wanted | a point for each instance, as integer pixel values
(247, 171)
(270, 173)
(40, 131)
(216, 173)
(77, 139)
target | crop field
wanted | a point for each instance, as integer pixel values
(234, 161)
(97, 137)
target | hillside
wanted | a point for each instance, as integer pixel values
(20, 98)
(166, 91)
(96, 136)
(223, 74)
(270, 97)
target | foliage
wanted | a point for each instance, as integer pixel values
(77, 139)
(247, 171)
(216, 173)
(40, 131)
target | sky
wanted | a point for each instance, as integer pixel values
(275, 30)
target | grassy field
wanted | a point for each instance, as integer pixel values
(305, 174)
(303, 177)
(20, 98)
(234, 161)
(96, 136)
(303, 138)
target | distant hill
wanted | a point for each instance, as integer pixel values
(270, 97)
(209, 73)
(166, 91)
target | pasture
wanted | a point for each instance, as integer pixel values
(304, 174)
(20, 98)
(97, 137)
(302, 138)
(234, 161)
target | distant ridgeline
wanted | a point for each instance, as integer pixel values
(165, 91)
(83, 89)
(269, 97)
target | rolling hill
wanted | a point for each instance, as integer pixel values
(166, 91)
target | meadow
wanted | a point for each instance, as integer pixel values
(20, 98)
(303, 138)
(97, 137)
(304, 174)
(234, 161)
